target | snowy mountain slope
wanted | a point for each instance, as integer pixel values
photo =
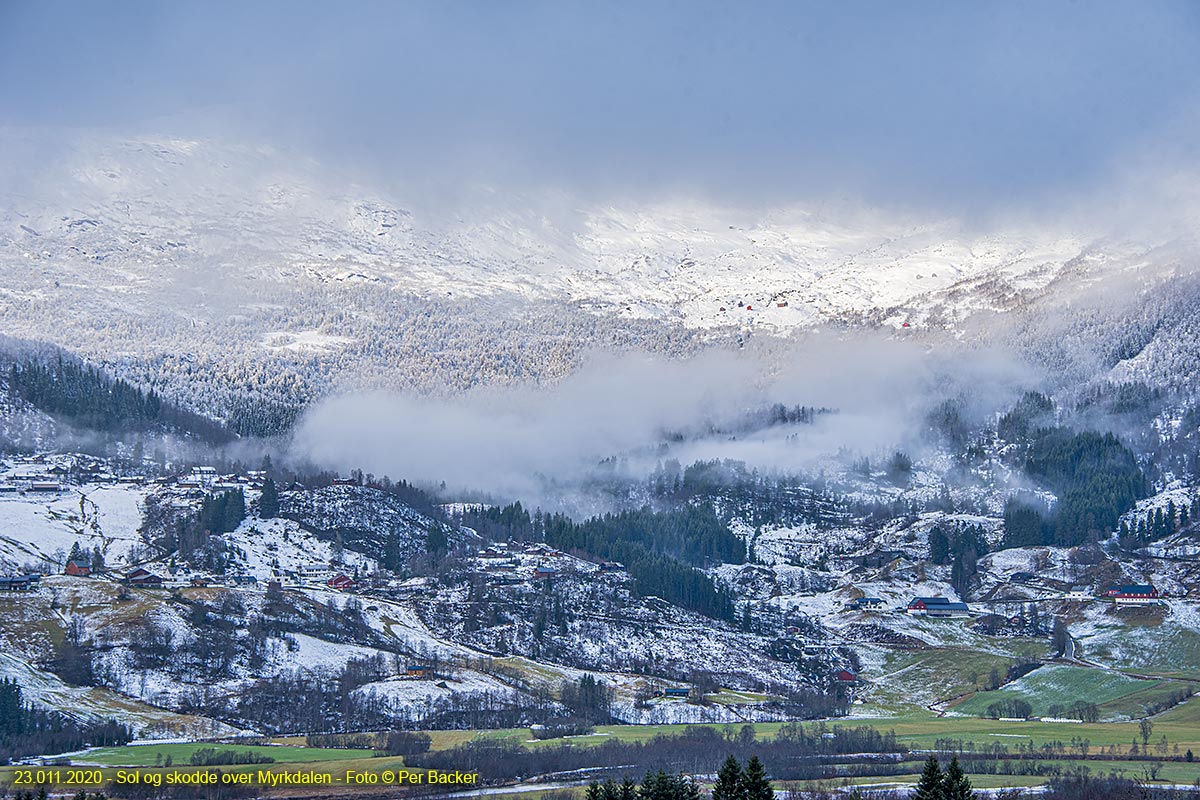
(130, 218)
(258, 261)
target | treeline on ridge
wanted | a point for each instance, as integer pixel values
(88, 397)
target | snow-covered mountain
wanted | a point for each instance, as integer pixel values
(115, 227)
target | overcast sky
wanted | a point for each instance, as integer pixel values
(948, 103)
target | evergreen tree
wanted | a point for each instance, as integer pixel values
(929, 787)
(755, 785)
(956, 785)
(729, 784)
(268, 503)
(665, 786)
(235, 509)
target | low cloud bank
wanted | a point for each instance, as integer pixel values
(510, 442)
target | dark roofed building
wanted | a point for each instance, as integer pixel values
(24, 583)
(941, 607)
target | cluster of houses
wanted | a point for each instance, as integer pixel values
(208, 479)
(509, 563)
(1125, 594)
(37, 478)
(933, 607)
(52, 477)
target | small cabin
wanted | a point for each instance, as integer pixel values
(677, 693)
(782, 304)
(419, 671)
(544, 572)
(78, 568)
(845, 676)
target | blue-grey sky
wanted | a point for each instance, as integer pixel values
(949, 103)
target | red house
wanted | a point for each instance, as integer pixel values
(341, 582)
(78, 568)
(845, 676)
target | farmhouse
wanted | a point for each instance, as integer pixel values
(23, 583)
(490, 553)
(341, 582)
(78, 568)
(1079, 594)
(1136, 595)
(143, 578)
(544, 572)
(315, 572)
(419, 671)
(937, 607)
(865, 604)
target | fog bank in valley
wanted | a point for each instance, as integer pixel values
(511, 442)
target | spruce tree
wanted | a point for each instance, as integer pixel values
(956, 785)
(268, 503)
(755, 785)
(729, 781)
(929, 787)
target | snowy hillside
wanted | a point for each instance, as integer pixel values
(129, 219)
(202, 253)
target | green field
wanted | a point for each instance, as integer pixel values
(1114, 693)
(181, 754)
(919, 730)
